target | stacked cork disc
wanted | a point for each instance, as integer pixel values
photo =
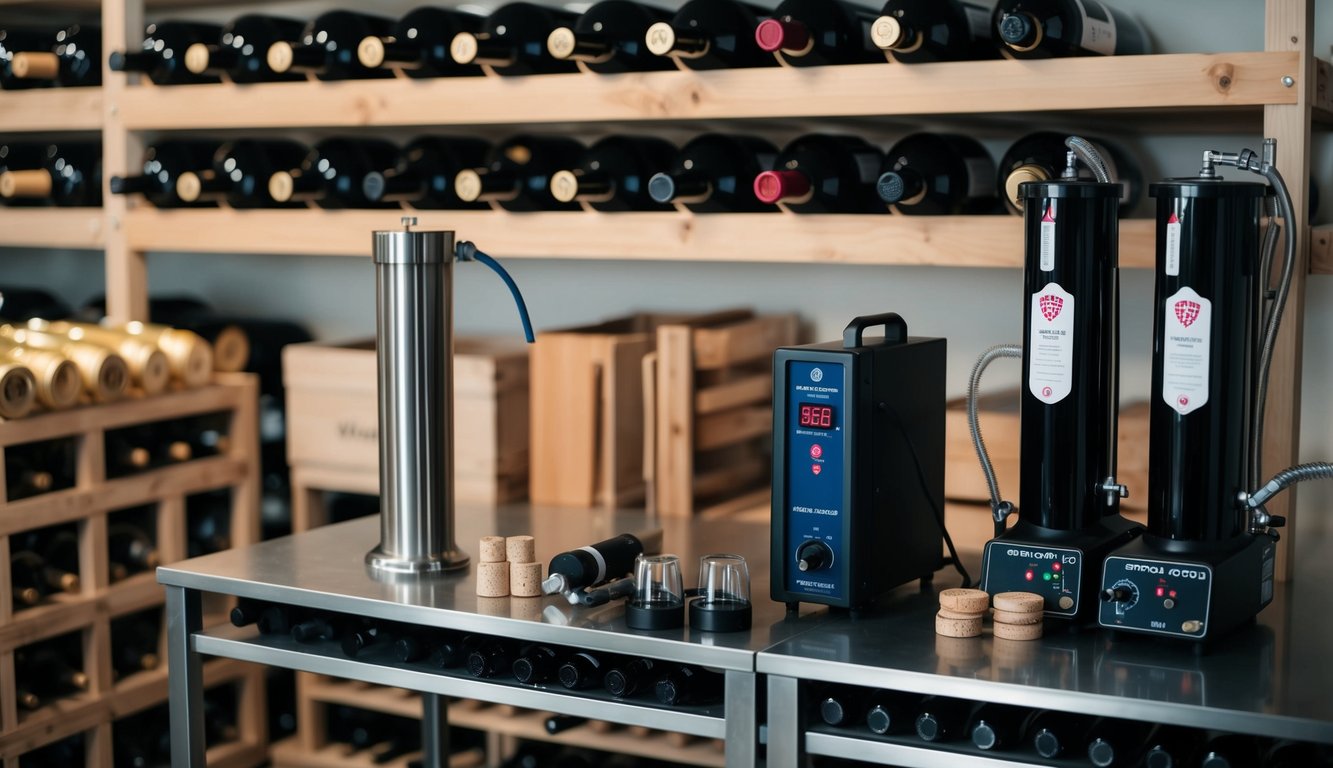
(1016, 615)
(508, 566)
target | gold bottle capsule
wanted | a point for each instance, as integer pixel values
(18, 390)
(58, 384)
(189, 356)
(149, 367)
(106, 376)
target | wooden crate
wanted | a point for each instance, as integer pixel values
(998, 416)
(99, 601)
(712, 414)
(333, 420)
(587, 410)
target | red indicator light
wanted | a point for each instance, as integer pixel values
(1160, 591)
(1028, 576)
(1173, 593)
(1055, 566)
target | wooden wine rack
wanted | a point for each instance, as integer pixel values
(99, 601)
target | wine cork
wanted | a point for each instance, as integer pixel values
(189, 186)
(1009, 617)
(467, 185)
(280, 57)
(281, 186)
(37, 65)
(492, 549)
(957, 627)
(196, 58)
(25, 184)
(525, 608)
(564, 186)
(370, 52)
(965, 600)
(948, 614)
(1017, 631)
(525, 579)
(464, 48)
(1019, 602)
(520, 549)
(493, 580)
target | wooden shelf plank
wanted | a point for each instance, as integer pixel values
(52, 109)
(1321, 249)
(1173, 81)
(956, 241)
(50, 227)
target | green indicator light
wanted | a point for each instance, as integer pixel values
(1046, 576)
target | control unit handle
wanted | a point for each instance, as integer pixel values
(895, 329)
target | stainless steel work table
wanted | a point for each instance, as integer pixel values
(323, 569)
(1274, 678)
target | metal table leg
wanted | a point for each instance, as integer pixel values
(785, 742)
(742, 719)
(185, 679)
(434, 730)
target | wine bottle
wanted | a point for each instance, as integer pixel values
(1055, 734)
(1042, 156)
(711, 34)
(49, 671)
(808, 33)
(71, 58)
(626, 679)
(919, 31)
(18, 390)
(517, 174)
(25, 474)
(60, 553)
(332, 174)
(240, 174)
(932, 174)
(105, 375)
(208, 523)
(128, 451)
(419, 44)
(327, 48)
(581, 670)
(489, 659)
(163, 164)
(891, 712)
(689, 686)
(246, 612)
(714, 173)
(612, 175)
(241, 54)
(1043, 29)
(942, 719)
(67, 174)
(425, 177)
(1284, 754)
(996, 727)
(27, 578)
(131, 550)
(318, 626)
(134, 644)
(560, 723)
(1230, 751)
(842, 706)
(822, 173)
(22, 304)
(276, 619)
(15, 40)
(148, 365)
(163, 54)
(535, 664)
(1173, 747)
(512, 41)
(441, 650)
(356, 640)
(1114, 742)
(610, 37)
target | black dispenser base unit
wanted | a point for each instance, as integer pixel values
(1064, 567)
(1192, 592)
(858, 465)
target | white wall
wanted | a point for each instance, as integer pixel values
(974, 308)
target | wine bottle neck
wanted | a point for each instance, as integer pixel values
(482, 48)
(210, 58)
(903, 187)
(133, 61)
(666, 39)
(130, 185)
(483, 184)
(377, 52)
(785, 35)
(393, 186)
(29, 185)
(588, 47)
(889, 33)
(35, 65)
(286, 57)
(783, 187)
(1021, 31)
(582, 186)
(682, 187)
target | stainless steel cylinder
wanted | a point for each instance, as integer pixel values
(414, 334)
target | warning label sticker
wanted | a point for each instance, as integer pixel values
(1047, 254)
(1051, 344)
(1173, 246)
(1187, 332)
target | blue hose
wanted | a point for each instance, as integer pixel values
(467, 251)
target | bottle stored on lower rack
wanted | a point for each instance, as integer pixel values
(241, 53)
(68, 174)
(842, 706)
(328, 47)
(938, 175)
(333, 173)
(55, 385)
(824, 173)
(130, 548)
(581, 670)
(940, 718)
(809, 33)
(560, 723)
(419, 43)
(630, 677)
(512, 41)
(318, 626)
(997, 727)
(1041, 156)
(425, 175)
(1174, 747)
(240, 173)
(208, 522)
(42, 57)
(490, 658)
(922, 31)
(104, 375)
(163, 164)
(536, 664)
(1058, 734)
(711, 34)
(26, 474)
(610, 37)
(1113, 742)
(689, 686)
(1043, 29)
(715, 173)
(49, 671)
(891, 712)
(135, 641)
(1230, 751)
(163, 54)
(517, 174)
(612, 175)
(368, 635)
(59, 547)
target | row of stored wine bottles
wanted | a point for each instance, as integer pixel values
(52, 669)
(922, 174)
(45, 562)
(489, 657)
(1075, 739)
(612, 36)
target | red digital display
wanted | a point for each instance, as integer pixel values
(818, 416)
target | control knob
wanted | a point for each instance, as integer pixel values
(813, 555)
